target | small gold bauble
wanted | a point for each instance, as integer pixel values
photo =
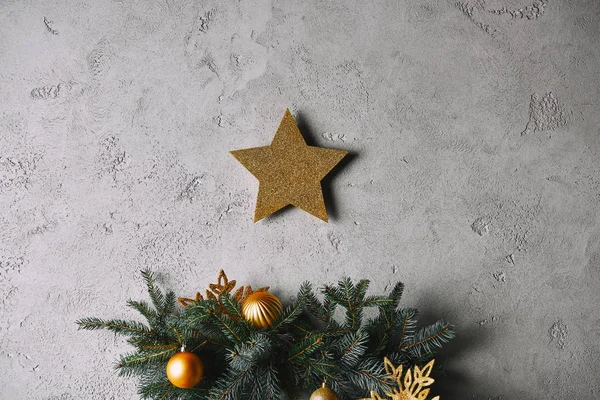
(262, 309)
(324, 393)
(185, 370)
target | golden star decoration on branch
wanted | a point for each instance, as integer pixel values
(289, 171)
(223, 285)
(412, 387)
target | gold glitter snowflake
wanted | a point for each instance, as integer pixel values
(223, 285)
(412, 387)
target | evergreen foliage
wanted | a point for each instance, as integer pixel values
(308, 344)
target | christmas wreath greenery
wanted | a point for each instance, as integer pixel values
(245, 345)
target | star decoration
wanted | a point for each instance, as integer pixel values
(289, 171)
(223, 285)
(412, 387)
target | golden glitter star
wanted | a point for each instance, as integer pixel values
(289, 171)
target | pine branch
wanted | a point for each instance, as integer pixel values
(232, 306)
(377, 301)
(430, 338)
(267, 386)
(230, 386)
(199, 312)
(330, 308)
(334, 294)
(349, 297)
(247, 355)
(122, 327)
(234, 331)
(154, 390)
(292, 312)
(396, 295)
(353, 348)
(352, 319)
(144, 308)
(133, 360)
(313, 304)
(214, 338)
(156, 295)
(369, 374)
(320, 370)
(406, 320)
(360, 291)
(301, 351)
(169, 303)
(334, 330)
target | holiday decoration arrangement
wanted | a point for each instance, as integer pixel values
(244, 344)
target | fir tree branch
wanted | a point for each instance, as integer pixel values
(227, 326)
(217, 341)
(408, 324)
(314, 305)
(250, 353)
(370, 374)
(178, 336)
(148, 391)
(156, 346)
(354, 349)
(156, 295)
(334, 295)
(301, 329)
(379, 301)
(199, 311)
(169, 303)
(166, 393)
(396, 295)
(360, 290)
(136, 359)
(143, 308)
(350, 314)
(223, 394)
(127, 328)
(292, 312)
(231, 305)
(430, 337)
(329, 307)
(305, 348)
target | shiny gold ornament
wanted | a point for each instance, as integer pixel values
(262, 309)
(289, 171)
(223, 285)
(412, 387)
(185, 370)
(324, 393)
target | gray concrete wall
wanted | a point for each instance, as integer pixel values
(475, 129)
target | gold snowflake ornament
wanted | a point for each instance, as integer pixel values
(223, 285)
(412, 387)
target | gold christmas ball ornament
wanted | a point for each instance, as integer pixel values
(185, 370)
(324, 393)
(262, 309)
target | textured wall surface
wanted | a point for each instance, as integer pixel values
(475, 129)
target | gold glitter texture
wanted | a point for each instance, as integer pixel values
(223, 285)
(289, 171)
(414, 386)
